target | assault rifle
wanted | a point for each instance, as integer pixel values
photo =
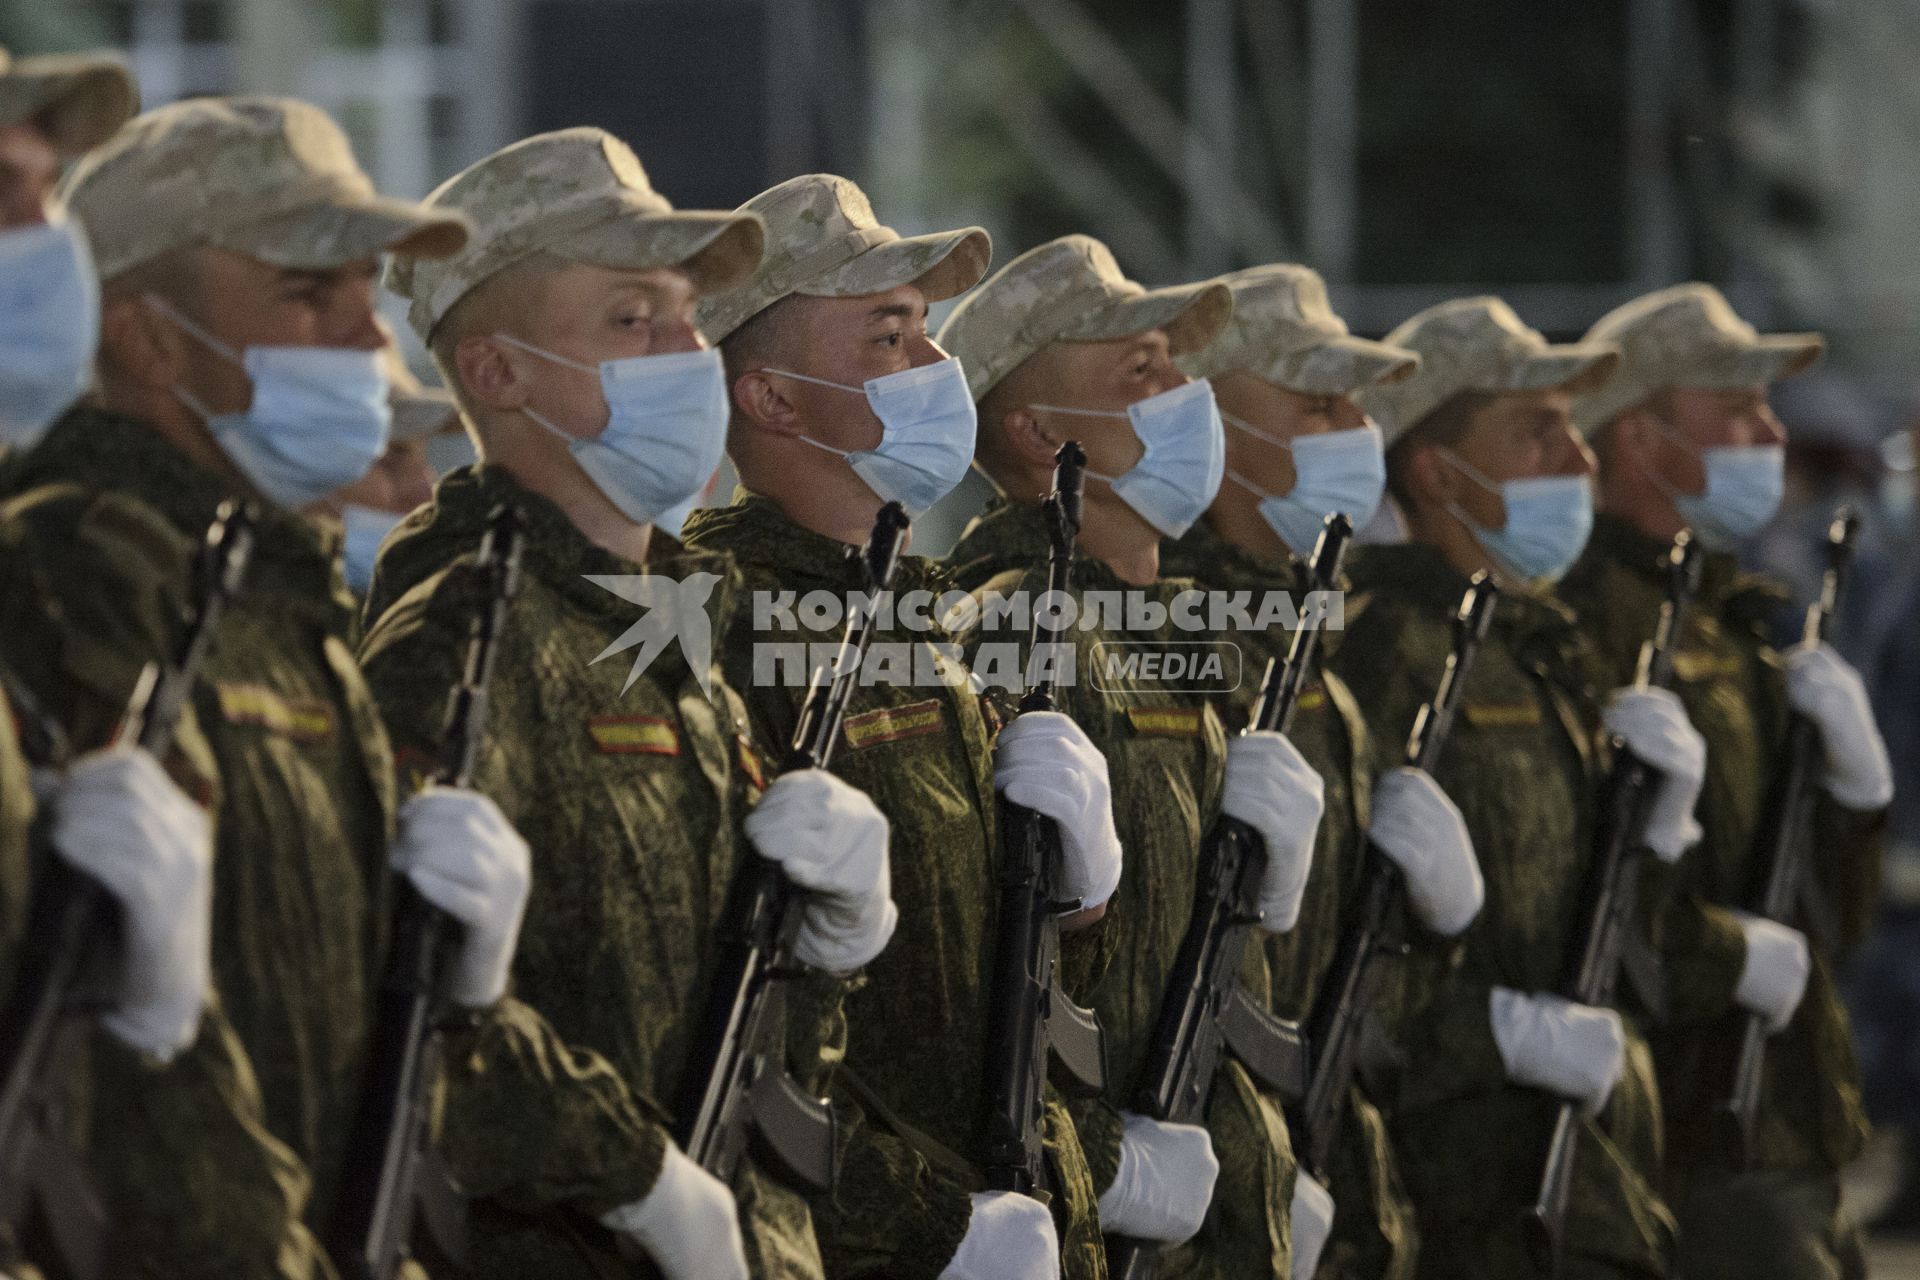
(1783, 850)
(1348, 992)
(392, 1173)
(70, 937)
(1614, 899)
(1206, 1012)
(739, 1094)
(1030, 1020)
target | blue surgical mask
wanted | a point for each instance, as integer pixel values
(1334, 471)
(366, 529)
(318, 421)
(1548, 521)
(666, 427)
(49, 327)
(1745, 484)
(1185, 458)
(927, 424)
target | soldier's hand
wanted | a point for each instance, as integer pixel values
(1825, 689)
(1312, 1223)
(831, 840)
(465, 858)
(119, 819)
(1656, 730)
(1551, 1043)
(1009, 1237)
(688, 1224)
(1046, 762)
(1271, 787)
(1418, 826)
(1774, 976)
(1165, 1181)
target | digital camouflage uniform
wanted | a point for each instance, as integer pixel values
(1374, 1237)
(1521, 764)
(631, 799)
(1783, 1219)
(909, 1090)
(1165, 755)
(100, 534)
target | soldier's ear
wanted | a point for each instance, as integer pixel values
(761, 399)
(1026, 438)
(1431, 480)
(490, 373)
(138, 345)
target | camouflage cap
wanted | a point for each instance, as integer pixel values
(76, 99)
(1284, 330)
(824, 242)
(1687, 336)
(1478, 344)
(579, 194)
(273, 178)
(1071, 290)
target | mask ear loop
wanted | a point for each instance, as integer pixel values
(822, 382)
(539, 418)
(1089, 472)
(167, 311)
(1673, 436)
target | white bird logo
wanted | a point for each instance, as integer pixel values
(675, 610)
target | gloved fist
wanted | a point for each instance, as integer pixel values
(1165, 1181)
(1418, 825)
(1271, 787)
(119, 820)
(1574, 1050)
(1823, 688)
(1046, 762)
(1656, 730)
(465, 858)
(687, 1224)
(832, 841)
(1009, 1237)
(1774, 977)
(1312, 1217)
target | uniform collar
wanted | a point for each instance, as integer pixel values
(757, 534)
(1722, 582)
(1418, 574)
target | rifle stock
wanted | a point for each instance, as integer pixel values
(1614, 900)
(1205, 1013)
(74, 920)
(739, 1095)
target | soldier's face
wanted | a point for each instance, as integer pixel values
(1515, 437)
(848, 341)
(1110, 376)
(28, 166)
(1279, 412)
(1708, 418)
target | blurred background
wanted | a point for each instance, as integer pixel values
(1566, 157)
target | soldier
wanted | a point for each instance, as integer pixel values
(840, 304)
(1685, 439)
(1483, 459)
(566, 330)
(1060, 345)
(1299, 449)
(236, 241)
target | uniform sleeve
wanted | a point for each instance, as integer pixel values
(528, 1117)
(1701, 946)
(1849, 848)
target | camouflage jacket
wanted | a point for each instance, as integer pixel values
(1165, 753)
(1374, 1234)
(97, 539)
(909, 1090)
(631, 795)
(1732, 685)
(1522, 765)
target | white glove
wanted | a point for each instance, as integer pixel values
(119, 820)
(1271, 787)
(1009, 1237)
(1774, 977)
(1165, 1181)
(1046, 762)
(1312, 1224)
(832, 841)
(1574, 1050)
(687, 1224)
(1823, 688)
(465, 858)
(1417, 825)
(1656, 730)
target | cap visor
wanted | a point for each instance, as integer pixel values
(77, 99)
(1340, 366)
(1574, 367)
(942, 264)
(1771, 357)
(335, 232)
(718, 250)
(1192, 315)
(424, 413)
